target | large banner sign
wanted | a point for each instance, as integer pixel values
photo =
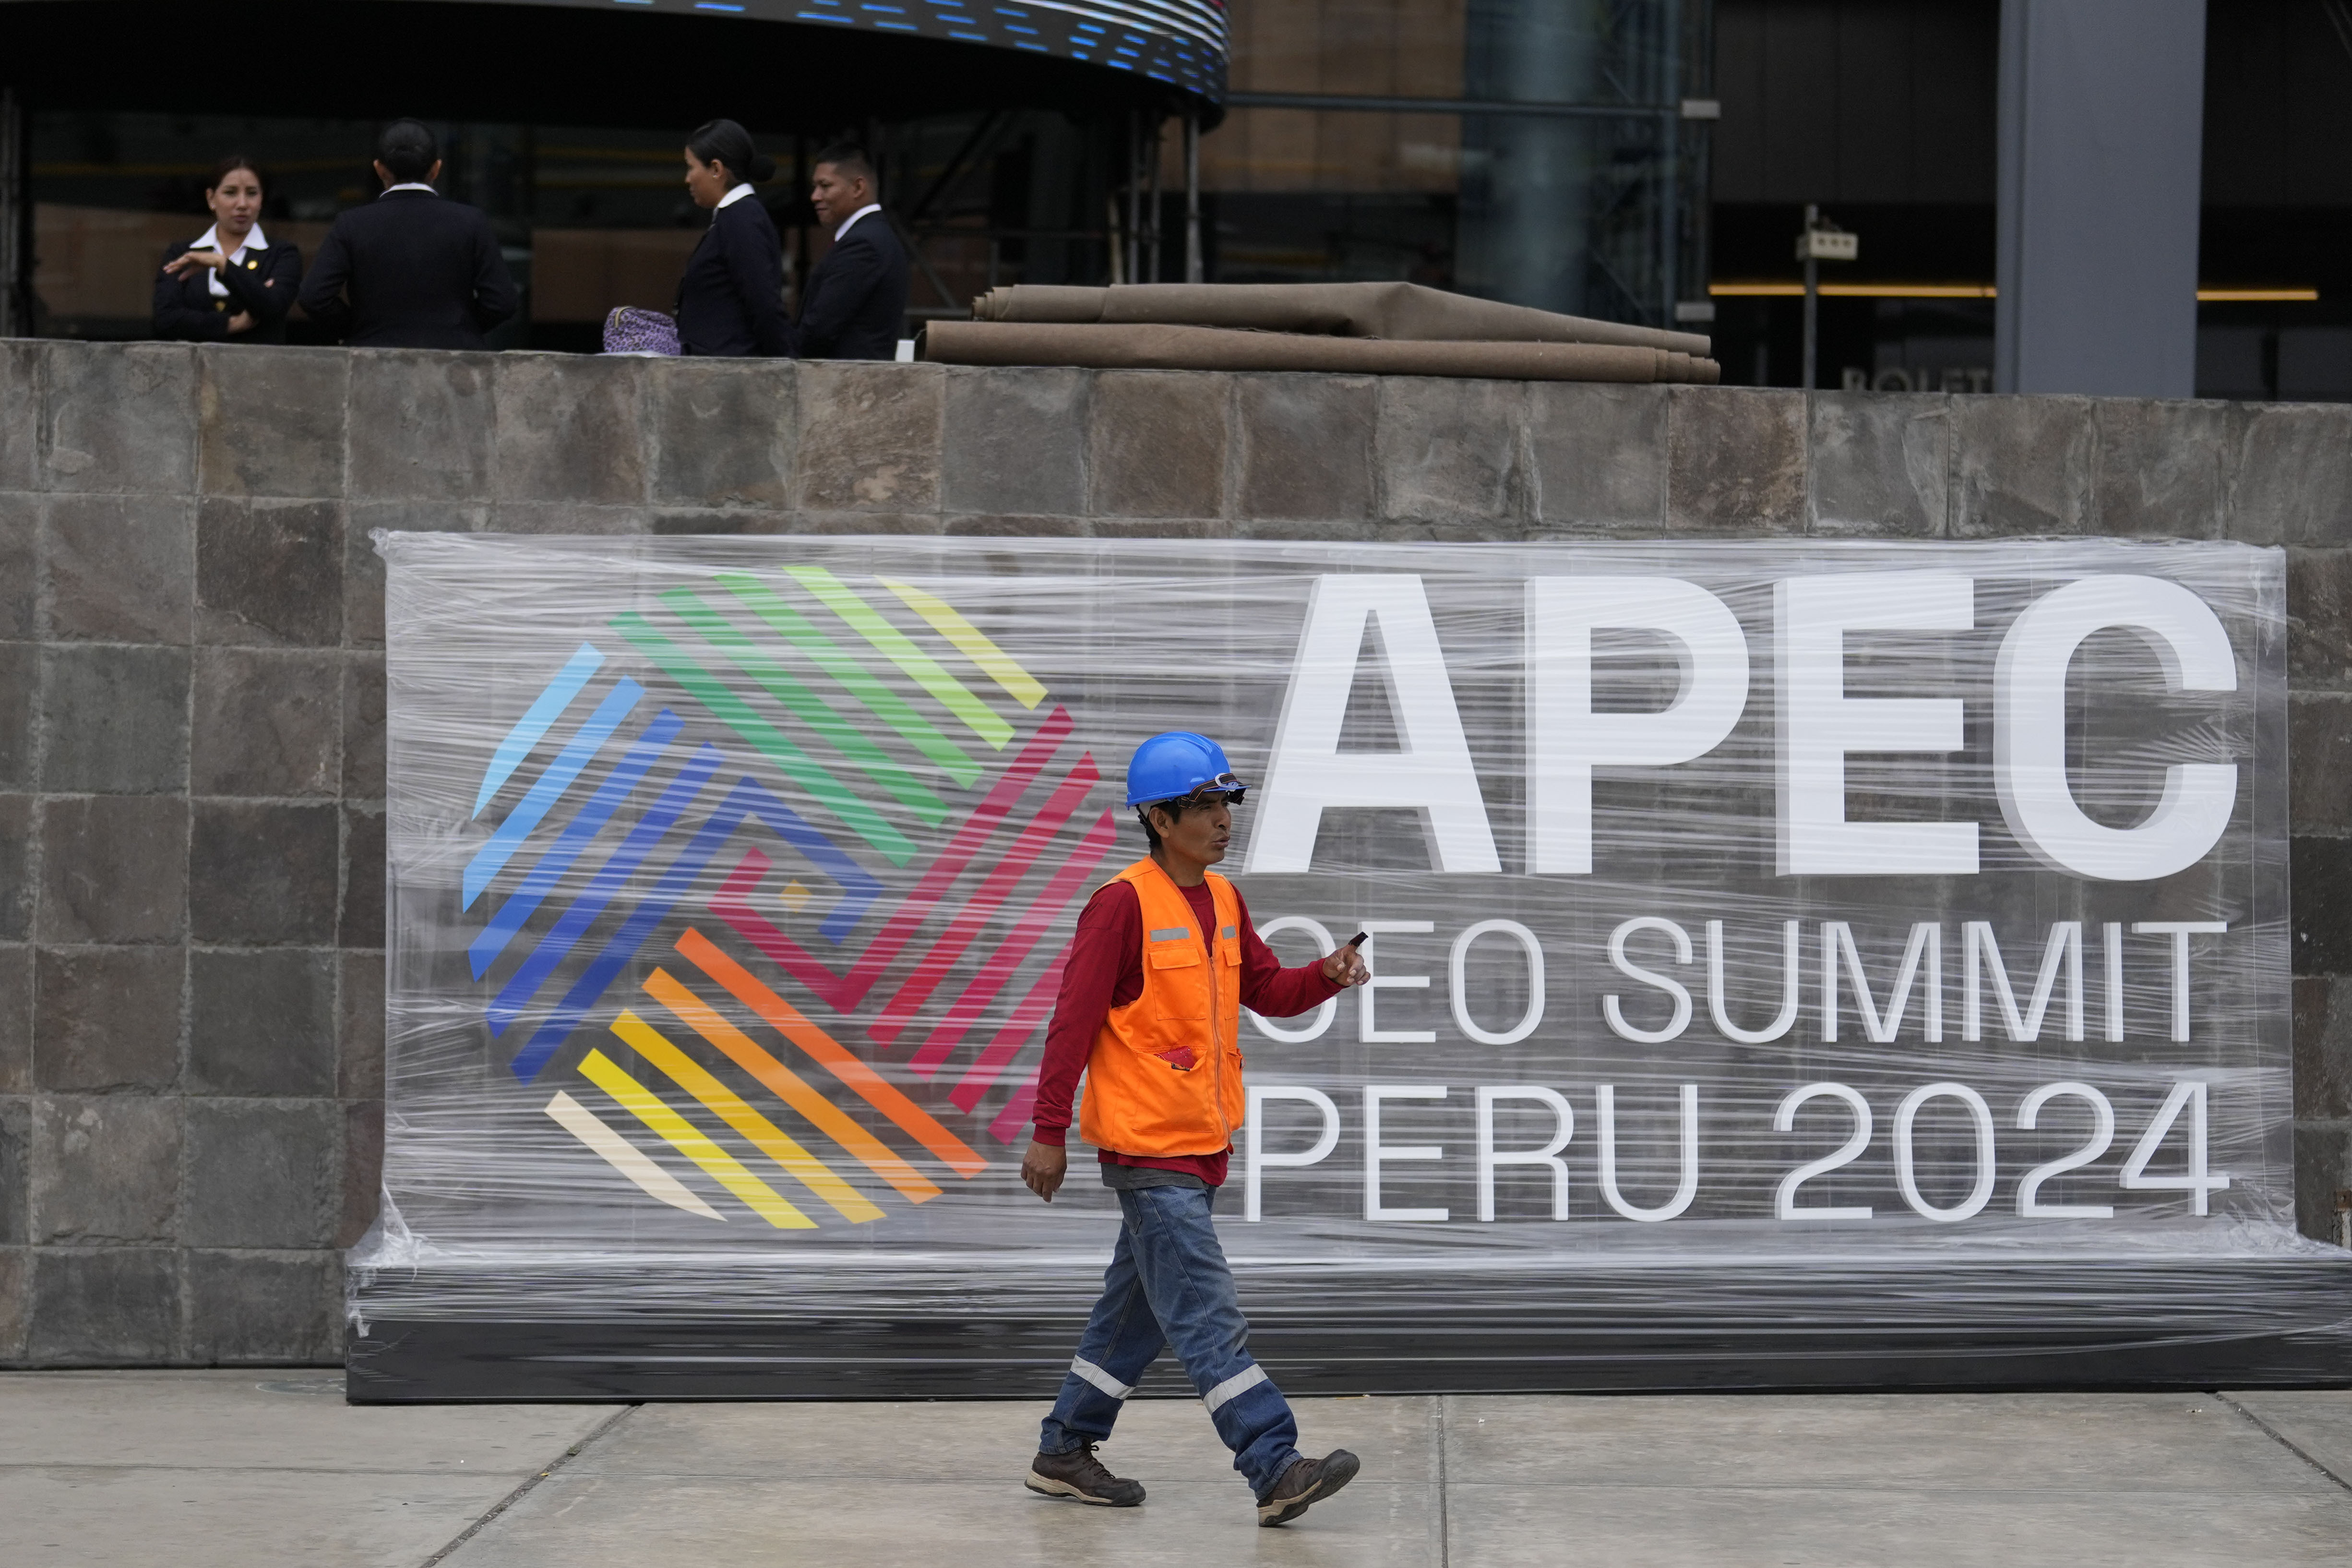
(1794, 961)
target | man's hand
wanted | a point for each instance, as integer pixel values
(1347, 967)
(1043, 1168)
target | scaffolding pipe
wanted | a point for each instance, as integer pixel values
(1813, 299)
(1151, 221)
(16, 221)
(1135, 214)
(798, 281)
(1192, 272)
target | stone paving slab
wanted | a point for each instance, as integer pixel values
(1808, 1526)
(266, 1420)
(2108, 1442)
(1770, 1480)
(568, 1522)
(1921, 1482)
(250, 1469)
(210, 1469)
(168, 1517)
(2318, 1422)
(852, 1485)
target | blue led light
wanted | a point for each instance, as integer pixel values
(1137, 45)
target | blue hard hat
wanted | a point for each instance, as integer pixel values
(1174, 763)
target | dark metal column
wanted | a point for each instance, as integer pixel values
(2101, 133)
(15, 219)
(1526, 219)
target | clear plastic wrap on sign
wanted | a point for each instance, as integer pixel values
(1795, 962)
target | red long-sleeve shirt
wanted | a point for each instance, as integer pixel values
(1105, 970)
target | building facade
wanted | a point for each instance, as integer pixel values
(1640, 160)
(1524, 150)
(1882, 112)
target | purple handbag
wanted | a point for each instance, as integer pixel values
(630, 330)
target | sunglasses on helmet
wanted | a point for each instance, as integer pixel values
(1224, 787)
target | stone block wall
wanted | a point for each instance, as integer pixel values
(192, 683)
(191, 859)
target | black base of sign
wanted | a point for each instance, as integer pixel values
(1927, 1329)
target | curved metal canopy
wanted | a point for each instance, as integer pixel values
(795, 65)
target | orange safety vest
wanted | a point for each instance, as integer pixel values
(1164, 1075)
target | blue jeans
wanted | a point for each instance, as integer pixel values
(1168, 1284)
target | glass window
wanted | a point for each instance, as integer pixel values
(1570, 192)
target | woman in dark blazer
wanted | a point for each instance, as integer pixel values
(731, 299)
(229, 284)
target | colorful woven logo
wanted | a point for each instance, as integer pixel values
(847, 819)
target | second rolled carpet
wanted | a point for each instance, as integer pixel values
(1164, 347)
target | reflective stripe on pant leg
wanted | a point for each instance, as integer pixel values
(1121, 1332)
(1249, 1377)
(1191, 1290)
(1084, 1368)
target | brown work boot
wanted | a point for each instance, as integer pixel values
(1078, 1474)
(1307, 1482)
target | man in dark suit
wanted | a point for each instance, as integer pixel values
(420, 272)
(855, 300)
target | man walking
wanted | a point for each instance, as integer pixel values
(1149, 1010)
(855, 300)
(421, 272)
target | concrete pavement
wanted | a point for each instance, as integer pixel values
(204, 1469)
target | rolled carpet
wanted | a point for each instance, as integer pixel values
(1153, 347)
(1398, 311)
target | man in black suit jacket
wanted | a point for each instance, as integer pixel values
(855, 300)
(421, 272)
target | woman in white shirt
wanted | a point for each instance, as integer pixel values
(229, 284)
